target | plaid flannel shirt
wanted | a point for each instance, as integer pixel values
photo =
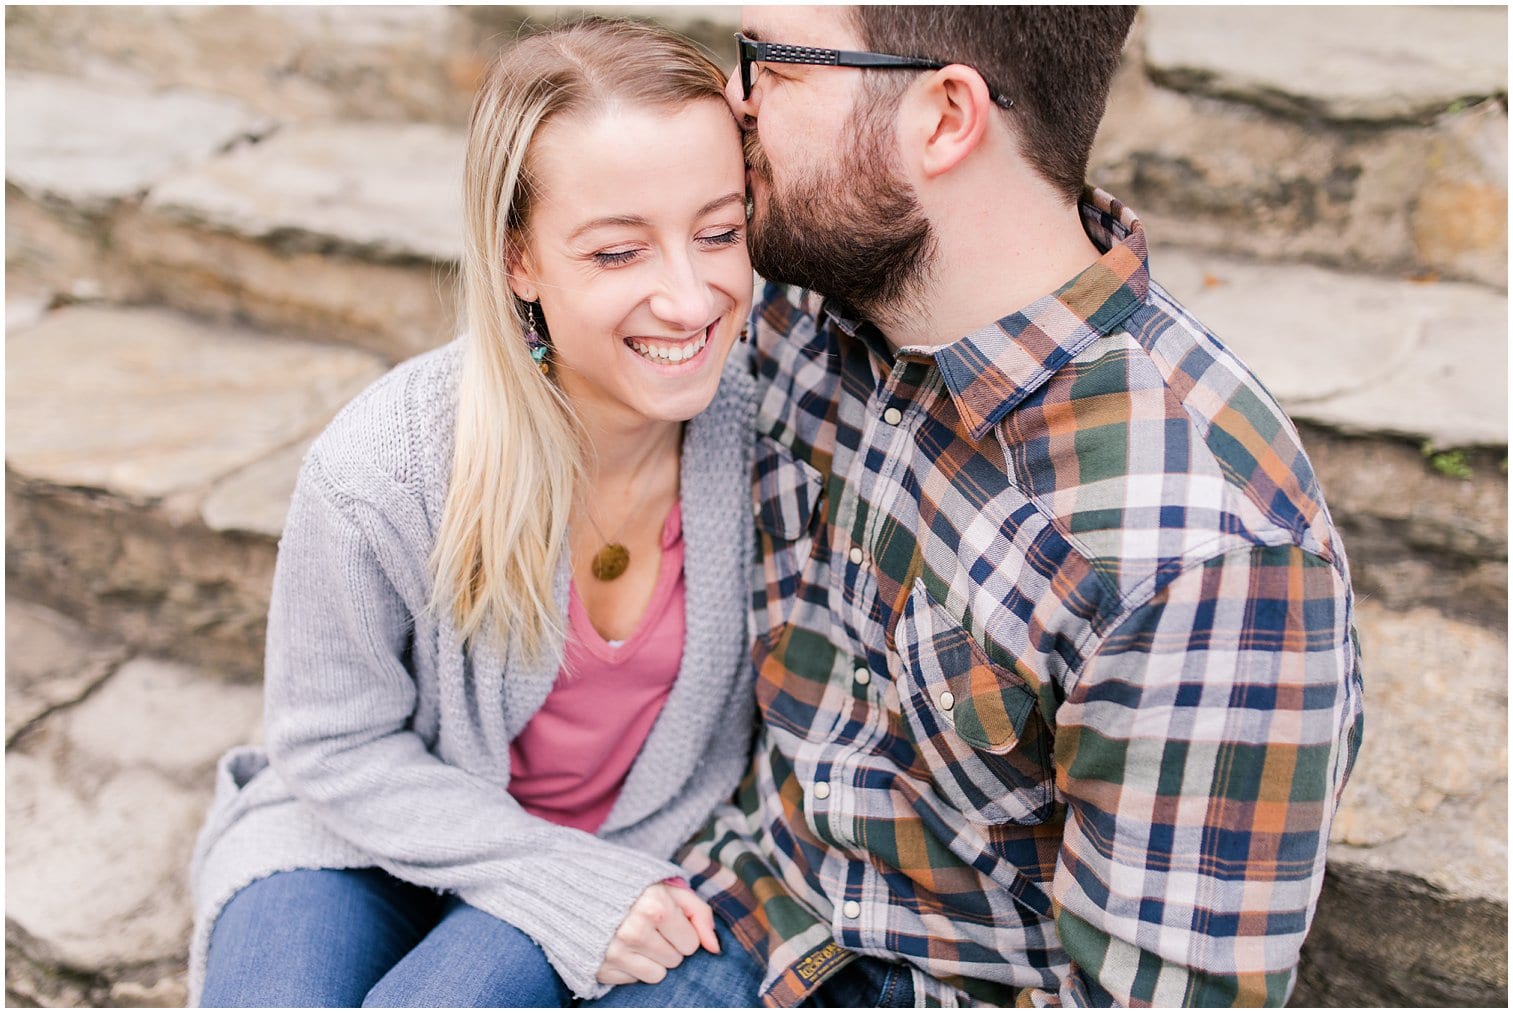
(1056, 663)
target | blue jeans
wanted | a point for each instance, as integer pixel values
(360, 937)
(866, 982)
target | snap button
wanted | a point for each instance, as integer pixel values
(851, 909)
(856, 555)
(822, 790)
(862, 676)
(893, 416)
(947, 700)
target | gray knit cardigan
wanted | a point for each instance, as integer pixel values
(388, 743)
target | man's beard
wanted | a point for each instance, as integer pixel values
(857, 235)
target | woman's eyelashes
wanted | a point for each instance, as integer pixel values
(729, 237)
(732, 236)
(614, 258)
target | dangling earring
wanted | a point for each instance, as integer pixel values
(535, 342)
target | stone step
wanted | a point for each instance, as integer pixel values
(141, 500)
(149, 462)
(106, 785)
(306, 63)
(350, 232)
(340, 232)
(1401, 391)
(1365, 137)
(1339, 65)
(1331, 64)
(1282, 133)
(1359, 354)
(78, 156)
(105, 789)
(1415, 907)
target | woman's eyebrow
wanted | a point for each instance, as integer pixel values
(734, 197)
(636, 221)
(631, 221)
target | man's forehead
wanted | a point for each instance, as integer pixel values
(827, 27)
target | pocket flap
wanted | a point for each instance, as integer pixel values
(787, 489)
(986, 704)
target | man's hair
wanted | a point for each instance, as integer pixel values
(1055, 63)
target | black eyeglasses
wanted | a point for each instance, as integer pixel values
(776, 52)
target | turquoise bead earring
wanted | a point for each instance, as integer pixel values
(537, 344)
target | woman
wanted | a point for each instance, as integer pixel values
(490, 717)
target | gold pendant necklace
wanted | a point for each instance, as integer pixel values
(613, 558)
(610, 561)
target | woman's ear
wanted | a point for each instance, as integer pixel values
(521, 270)
(954, 110)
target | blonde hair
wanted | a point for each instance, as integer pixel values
(520, 455)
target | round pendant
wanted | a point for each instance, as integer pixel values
(610, 561)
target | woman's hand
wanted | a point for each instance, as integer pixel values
(665, 924)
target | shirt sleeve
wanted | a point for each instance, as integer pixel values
(1201, 754)
(339, 698)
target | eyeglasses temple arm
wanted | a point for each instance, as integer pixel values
(849, 58)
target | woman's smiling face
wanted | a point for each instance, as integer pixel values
(636, 250)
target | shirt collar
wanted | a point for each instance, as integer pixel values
(993, 369)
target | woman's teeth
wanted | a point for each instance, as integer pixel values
(670, 354)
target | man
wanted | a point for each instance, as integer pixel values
(1054, 642)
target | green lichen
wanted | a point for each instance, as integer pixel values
(1450, 463)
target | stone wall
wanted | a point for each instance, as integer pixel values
(223, 221)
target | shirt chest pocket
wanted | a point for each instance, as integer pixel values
(974, 723)
(789, 492)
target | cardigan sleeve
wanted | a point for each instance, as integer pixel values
(339, 697)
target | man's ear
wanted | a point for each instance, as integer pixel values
(954, 109)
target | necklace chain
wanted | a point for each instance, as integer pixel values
(613, 558)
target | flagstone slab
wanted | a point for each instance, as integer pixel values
(49, 662)
(1389, 939)
(1342, 63)
(89, 146)
(1418, 534)
(307, 62)
(256, 499)
(103, 801)
(395, 310)
(385, 191)
(161, 715)
(1357, 353)
(150, 575)
(1415, 905)
(293, 62)
(117, 858)
(1451, 393)
(1414, 910)
(1402, 199)
(146, 403)
(1424, 670)
(337, 232)
(25, 304)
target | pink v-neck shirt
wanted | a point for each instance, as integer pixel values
(569, 762)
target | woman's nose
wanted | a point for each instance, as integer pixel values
(683, 299)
